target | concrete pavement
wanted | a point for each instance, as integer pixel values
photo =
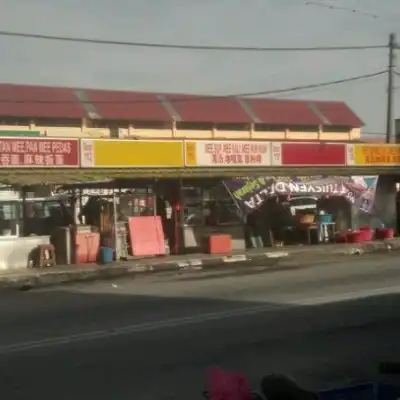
(287, 257)
(153, 338)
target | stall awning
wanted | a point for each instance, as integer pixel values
(20, 177)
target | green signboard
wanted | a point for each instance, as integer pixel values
(19, 133)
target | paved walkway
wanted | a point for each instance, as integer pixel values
(269, 257)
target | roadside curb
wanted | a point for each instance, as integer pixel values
(271, 260)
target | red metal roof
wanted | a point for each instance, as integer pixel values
(55, 102)
(284, 112)
(39, 101)
(207, 109)
(338, 113)
(123, 105)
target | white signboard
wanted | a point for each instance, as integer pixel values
(276, 153)
(228, 153)
(87, 153)
(350, 154)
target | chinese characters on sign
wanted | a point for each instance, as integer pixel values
(190, 153)
(376, 154)
(276, 153)
(38, 153)
(219, 153)
(87, 153)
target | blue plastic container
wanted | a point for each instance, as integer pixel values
(106, 255)
(363, 391)
(324, 218)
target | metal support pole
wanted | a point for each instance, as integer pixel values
(182, 202)
(390, 91)
(115, 222)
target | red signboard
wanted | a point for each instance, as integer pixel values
(303, 154)
(38, 153)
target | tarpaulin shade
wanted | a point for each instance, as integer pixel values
(250, 194)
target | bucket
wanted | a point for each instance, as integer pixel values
(106, 255)
(355, 237)
(384, 233)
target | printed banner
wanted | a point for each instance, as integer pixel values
(250, 193)
(308, 154)
(126, 153)
(39, 153)
(227, 153)
(370, 154)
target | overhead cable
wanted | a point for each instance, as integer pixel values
(349, 9)
(183, 46)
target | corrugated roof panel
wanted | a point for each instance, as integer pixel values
(339, 113)
(209, 109)
(130, 106)
(283, 112)
(55, 102)
(39, 101)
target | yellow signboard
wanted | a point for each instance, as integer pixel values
(124, 153)
(191, 159)
(376, 154)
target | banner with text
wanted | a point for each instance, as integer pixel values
(38, 153)
(227, 153)
(126, 153)
(373, 154)
(250, 193)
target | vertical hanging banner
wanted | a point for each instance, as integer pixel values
(203, 153)
(308, 154)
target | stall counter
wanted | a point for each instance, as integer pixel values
(14, 251)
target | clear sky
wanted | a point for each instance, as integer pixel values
(265, 23)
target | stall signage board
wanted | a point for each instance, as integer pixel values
(20, 133)
(127, 153)
(38, 153)
(222, 153)
(373, 154)
(308, 154)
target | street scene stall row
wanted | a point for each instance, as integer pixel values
(125, 153)
(75, 201)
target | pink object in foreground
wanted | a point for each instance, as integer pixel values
(227, 385)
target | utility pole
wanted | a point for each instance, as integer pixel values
(390, 90)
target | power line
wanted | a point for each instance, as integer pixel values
(311, 86)
(350, 10)
(183, 47)
(186, 98)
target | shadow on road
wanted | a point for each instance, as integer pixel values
(319, 345)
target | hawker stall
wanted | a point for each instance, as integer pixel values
(26, 222)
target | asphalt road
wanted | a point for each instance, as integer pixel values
(154, 337)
